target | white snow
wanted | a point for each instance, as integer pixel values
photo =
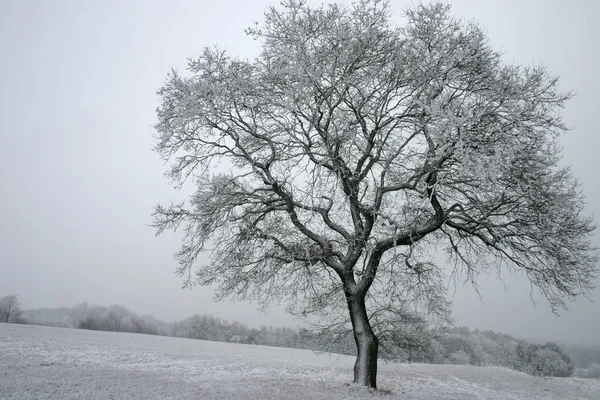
(57, 363)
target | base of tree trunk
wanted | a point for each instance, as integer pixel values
(365, 367)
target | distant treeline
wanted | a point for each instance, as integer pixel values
(460, 345)
(115, 318)
(455, 345)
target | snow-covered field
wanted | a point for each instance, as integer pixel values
(56, 363)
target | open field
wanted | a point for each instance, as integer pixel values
(57, 363)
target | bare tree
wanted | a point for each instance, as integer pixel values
(10, 309)
(330, 167)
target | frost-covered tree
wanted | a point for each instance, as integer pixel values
(10, 309)
(553, 360)
(549, 359)
(328, 168)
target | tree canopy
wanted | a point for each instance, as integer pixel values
(332, 166)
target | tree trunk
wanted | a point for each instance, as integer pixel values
(367, 344)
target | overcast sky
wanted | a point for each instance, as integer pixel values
(79, 180)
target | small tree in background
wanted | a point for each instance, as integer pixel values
(10, 309)
(553, 360)
(328, 168)
(549, 359)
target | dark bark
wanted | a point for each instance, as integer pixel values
(367, 344)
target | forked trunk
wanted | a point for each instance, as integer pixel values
(367, 344)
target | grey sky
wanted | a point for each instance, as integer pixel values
(79, 179)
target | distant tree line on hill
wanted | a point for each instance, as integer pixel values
(114, 318)
(117, 318)
(460, 345)
(416, 343)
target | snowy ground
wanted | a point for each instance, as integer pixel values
(56, 363)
